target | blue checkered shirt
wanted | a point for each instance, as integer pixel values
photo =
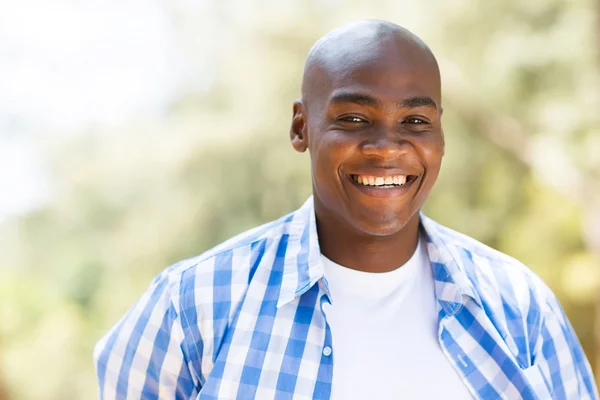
(245, 321)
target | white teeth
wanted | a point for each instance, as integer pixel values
(380, 180)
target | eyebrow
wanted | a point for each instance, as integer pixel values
(369, 101)
(357, 98)
(414, 102)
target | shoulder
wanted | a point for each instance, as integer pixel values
(219, 265)
(517, 303)
(499, 279)
(481, 261)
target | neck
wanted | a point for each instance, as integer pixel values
(363, 252)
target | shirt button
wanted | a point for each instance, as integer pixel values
(327, 351)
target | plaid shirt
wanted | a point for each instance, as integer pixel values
(245, 321)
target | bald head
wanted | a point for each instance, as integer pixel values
(362, 44)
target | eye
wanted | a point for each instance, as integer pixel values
(352, 119)
(415, 121)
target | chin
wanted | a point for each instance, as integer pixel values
(387, 227)
(385, 224)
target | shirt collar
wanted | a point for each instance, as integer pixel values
(302, 263)
(303, 266)
(449, 268)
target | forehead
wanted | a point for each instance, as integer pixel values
(384, 71)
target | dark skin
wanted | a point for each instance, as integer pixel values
(370, 107)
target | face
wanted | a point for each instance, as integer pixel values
(373, 129)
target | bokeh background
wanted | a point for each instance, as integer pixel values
(137, 133)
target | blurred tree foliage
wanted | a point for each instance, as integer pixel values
(521, 172)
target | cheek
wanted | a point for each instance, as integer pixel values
(329, 151)
(431, 151)
(328, 155)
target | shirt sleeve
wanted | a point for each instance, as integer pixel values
(559, 354)
(142, 357)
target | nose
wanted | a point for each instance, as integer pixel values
(385, 143)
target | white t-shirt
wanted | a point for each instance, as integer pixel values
(384, 331)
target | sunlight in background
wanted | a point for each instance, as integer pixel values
(69, 65)
(72, 63)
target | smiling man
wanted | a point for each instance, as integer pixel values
(356, 295)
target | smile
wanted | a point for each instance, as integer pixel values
(390, 186)
(391, 181)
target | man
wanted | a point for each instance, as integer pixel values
(356, 295)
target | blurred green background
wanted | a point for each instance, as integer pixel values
(135, 134)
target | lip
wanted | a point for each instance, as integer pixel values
(380, 192)
(381, 171)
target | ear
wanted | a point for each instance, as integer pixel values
(443, 135)
(299, 129)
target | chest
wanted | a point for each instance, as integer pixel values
(291, 353)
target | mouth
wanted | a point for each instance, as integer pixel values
(383, 186)
(383, 181)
